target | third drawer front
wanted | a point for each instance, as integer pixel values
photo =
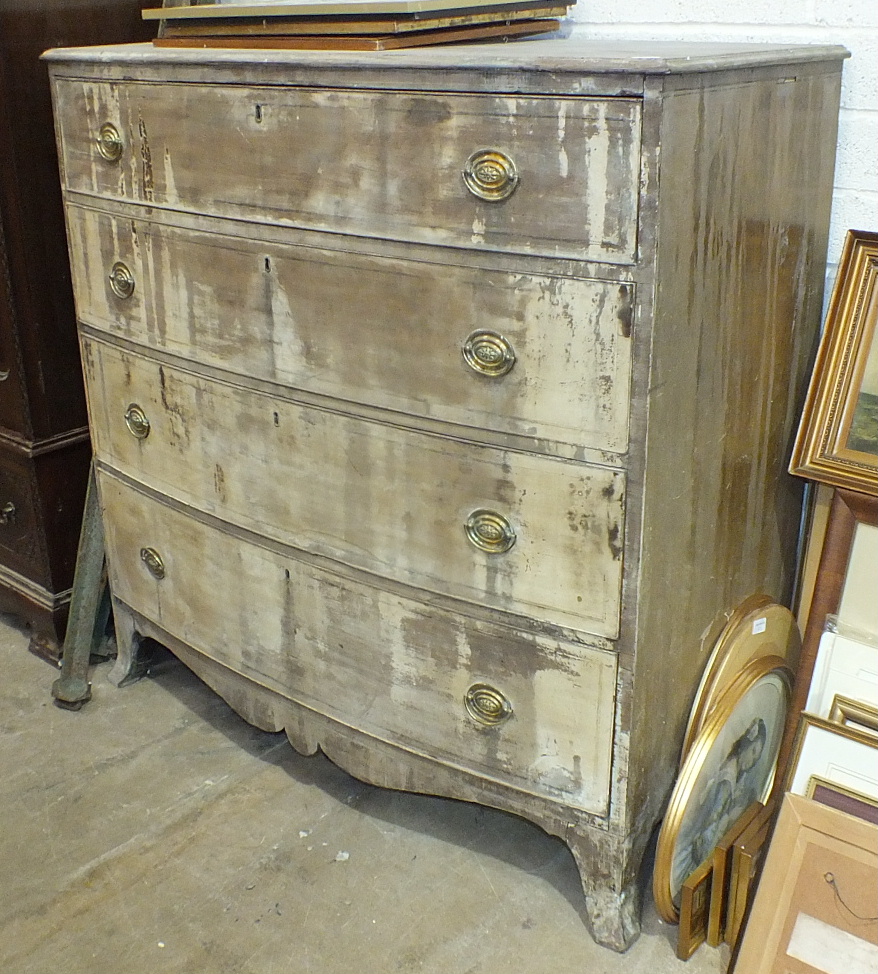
(525, 354)
(514, 531)
(526, 710)
(522, 174)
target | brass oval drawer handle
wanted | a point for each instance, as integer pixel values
(109, 142)
(488, 353)
(490, 532)
(487, 705)
(7, 513)
(121, 280)
(491, 175)
(136, 421)
(153, 561)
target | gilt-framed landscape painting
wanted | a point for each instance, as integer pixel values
(837, 441)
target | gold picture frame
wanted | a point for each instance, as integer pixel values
(837, 752)
(837, 441)
(695, 910)
(853, 713)
(759, 626)
(721, 880)
(731, 764)
(847, 800)
(747, 855)
(815, 899)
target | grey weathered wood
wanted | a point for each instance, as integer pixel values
(295, 333)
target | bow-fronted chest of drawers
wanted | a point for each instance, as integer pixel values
(441, 400)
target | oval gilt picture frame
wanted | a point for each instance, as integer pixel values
(731, 764)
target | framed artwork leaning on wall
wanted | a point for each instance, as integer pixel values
(837, 442)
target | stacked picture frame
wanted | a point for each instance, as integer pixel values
(349, 25)
(814, 911)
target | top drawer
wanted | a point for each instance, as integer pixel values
(534, 175)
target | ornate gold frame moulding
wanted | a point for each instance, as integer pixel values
(853, 713)
(731, 764)
(757, 627)
(837, 442)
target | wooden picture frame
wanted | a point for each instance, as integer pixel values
(814, 910)
(695, 910)
(721, 879)
(847, 511)
(854, 713)
(748, 852)
(834, 752)
(844, 669)
(844, 799)
(837, 442)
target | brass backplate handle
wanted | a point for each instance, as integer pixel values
(487, 705)
(491, 175)
(136, 421)
(121, 280)
(490, 531)
(7, 513)
(109, 142)
(153, 561)
(488, 353)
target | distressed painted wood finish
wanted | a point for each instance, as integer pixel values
(340, 486)
(298, 325)
(358, 327)
(734, 335)
(366, 162)
(383, 664)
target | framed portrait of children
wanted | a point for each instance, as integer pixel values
(837, 441)
(730, 765)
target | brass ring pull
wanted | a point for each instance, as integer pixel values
(487, 705)
(488, 353)
(153, 561)
(490, 531)
(109, 142)
(491, 175)
(121, 280)
(7, 513)
(136, 421)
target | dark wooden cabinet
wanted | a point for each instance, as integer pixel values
(44, 444)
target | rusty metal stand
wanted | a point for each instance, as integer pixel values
(89, 607)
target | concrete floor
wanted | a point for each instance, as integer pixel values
(154, 831)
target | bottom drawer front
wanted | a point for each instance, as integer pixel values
(530, 712)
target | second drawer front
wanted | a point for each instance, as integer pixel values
(514, 531)
(395, 668)
(517, 353)
(377, 164)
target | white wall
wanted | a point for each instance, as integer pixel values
(853, 23)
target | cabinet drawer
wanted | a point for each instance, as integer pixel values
(384, 499)
(420, 338)
(394, 668)
(370, 163)
(22, 546)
